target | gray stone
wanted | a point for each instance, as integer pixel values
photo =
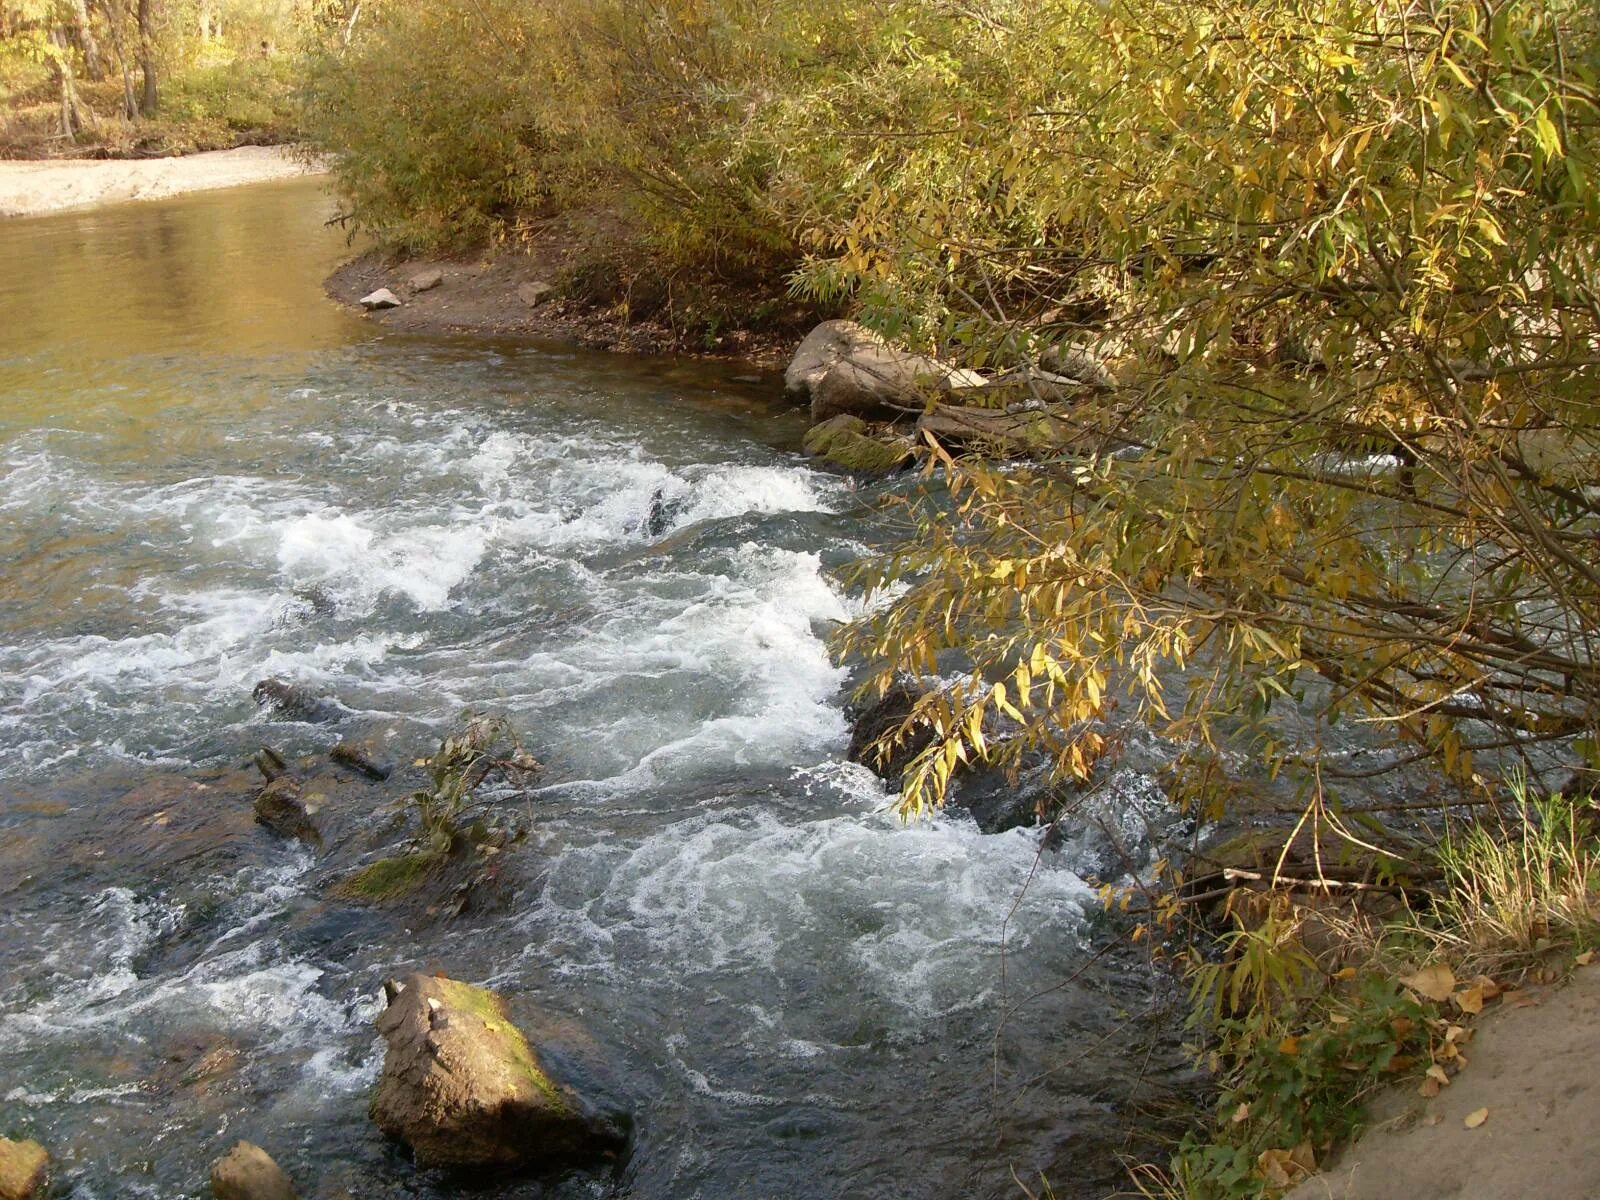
(824, 346)
(247, 1172)
(426, 281)
(379, 300)
(535, 293)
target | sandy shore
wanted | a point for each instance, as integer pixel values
(30, 188)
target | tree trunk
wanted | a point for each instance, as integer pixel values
(150, 99)
(61, 67)
(93, 64)
(130, 105)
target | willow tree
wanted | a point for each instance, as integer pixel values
(1342, 254)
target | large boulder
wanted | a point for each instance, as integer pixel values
(247, 1172)
(465, 1091)
(23, 1166)
(884, 383)
(827, 344)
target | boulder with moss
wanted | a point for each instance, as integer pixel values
(23, 1166)
(848, 442)
(464, 1089)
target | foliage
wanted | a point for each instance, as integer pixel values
(1337, 229)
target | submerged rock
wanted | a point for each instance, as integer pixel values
(365, 757)
(847, 442)
(23, 1166)
(296, 702)
(381, 299)
(464, 1090)
(247, 1172)
(664, 512)
(282, 809)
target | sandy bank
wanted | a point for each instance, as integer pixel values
(30, 188)
(517, 291)
(1533, 1071)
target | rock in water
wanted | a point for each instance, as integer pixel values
(846, 441)
(426, 281)
(281, 808)
(463, 1088)
(247, 1172)
(884, 716)
(295, 702)
(22, 1170)
(380, 299)
(364, 757)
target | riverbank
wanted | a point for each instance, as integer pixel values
(32, 188)
(549, 288)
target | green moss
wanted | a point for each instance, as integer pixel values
(845, 440)
(489, 1009)
(389, 878)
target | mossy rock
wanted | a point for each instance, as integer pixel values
(847, 442)
(466, 1091)
(389, 878)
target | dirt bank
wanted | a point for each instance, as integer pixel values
(30, 188)
(1532, 1092)
(526, 292)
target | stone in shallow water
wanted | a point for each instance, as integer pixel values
(380, 299)
(282, 809)
(22, 1169)
(247, 1172)
(463, 1088)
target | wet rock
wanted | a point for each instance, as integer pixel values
(847, 442)
(365, 757)
(23, 1166)
(282, 809)
(663, 513)
(535, 293)
(427, 280)
(296, 702)
(247, 1172)
(881, 717)
(381, 299)
(465, 1091)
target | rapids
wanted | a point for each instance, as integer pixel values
(210, 475)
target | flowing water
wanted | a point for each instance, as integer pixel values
(210, 475)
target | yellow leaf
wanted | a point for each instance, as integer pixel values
(1435, 982)
(1469, 1000)
(1585, 958)
(1476, 1117)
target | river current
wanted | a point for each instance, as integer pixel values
(210, 475)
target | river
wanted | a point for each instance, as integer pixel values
(212, 475)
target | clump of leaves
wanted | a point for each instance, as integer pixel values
(457, 821)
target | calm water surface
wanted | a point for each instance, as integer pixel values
(210, 475)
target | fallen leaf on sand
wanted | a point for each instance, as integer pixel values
(1469, 1000)
(1431, 1119)
(1435, 982)
(1476, 1117)
(1429, 1089)
(1489, 987)
(1586, 958)
(1518, 1000)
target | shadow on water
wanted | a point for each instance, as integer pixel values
(212, 476)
